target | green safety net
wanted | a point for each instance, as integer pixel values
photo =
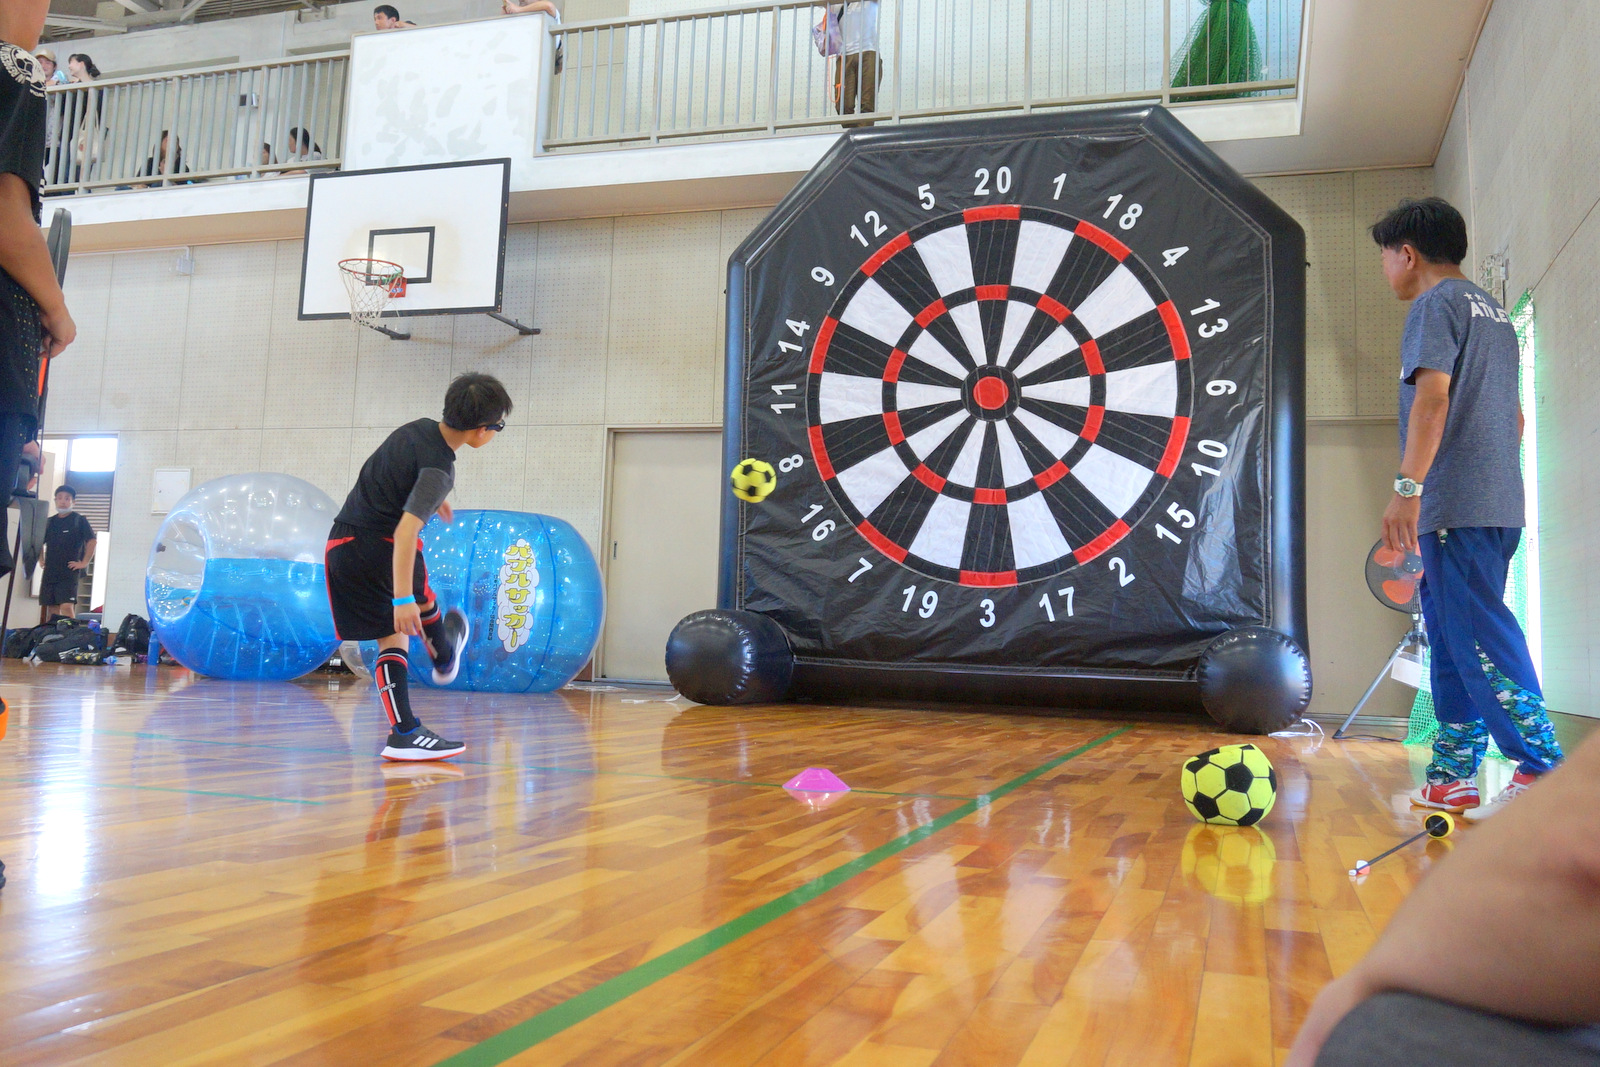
(1221, 49)
(1424, 726)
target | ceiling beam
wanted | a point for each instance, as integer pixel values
(76, 22)
(136, 7)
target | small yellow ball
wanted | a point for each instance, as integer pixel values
(753, 480)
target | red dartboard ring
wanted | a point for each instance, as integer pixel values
(976, 429)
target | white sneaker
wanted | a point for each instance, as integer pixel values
(1519, 785)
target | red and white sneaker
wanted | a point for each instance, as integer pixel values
(1519, 785)
(1456, 796)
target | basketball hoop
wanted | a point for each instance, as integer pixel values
(371, 283)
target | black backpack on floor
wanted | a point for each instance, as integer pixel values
(70, 636)
(20, 643)
(133, 635)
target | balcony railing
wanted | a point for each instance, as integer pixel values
(759, 69)
(244, 121)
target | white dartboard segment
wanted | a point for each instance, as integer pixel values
(1030, 369)
(445, 224)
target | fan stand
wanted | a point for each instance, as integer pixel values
(1417, 636)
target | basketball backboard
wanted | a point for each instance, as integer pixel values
(445, 223)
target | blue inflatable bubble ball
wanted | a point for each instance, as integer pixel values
(531, 590)
(235, 587)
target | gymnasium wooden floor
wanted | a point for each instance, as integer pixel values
(206, 872)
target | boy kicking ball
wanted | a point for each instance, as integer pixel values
(377, 579)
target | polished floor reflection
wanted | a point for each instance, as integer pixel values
(207, 872)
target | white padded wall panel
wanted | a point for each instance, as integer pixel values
(1380, 318)
(666, 277)
(133, 528)
(492, 476)
(218, 453)
(311, 375)
(75, 378)
(490, 347)
(567, 373)
(320, 455)
(565, 475)
(228, 337)
(1321, 203)
(397, 381)
(145, 320)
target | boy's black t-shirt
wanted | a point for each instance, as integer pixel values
(22, 119)
(22, 124)
(64, 538)
(392, 475)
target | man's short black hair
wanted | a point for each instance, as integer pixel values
(1429, 225)
(387, 10)
(475, 400)
(67, 489)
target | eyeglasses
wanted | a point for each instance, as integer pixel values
(495, 426)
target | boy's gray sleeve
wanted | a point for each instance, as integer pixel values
(433, 485)
(1436, 339)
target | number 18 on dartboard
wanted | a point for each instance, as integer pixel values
(1033, 388)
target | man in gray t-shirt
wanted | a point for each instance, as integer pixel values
(1460, 440)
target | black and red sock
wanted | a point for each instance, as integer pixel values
(389, 675)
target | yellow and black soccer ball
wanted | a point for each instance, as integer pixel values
(1233, 785)
(753, 479)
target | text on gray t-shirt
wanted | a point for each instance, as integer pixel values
(1476, 479)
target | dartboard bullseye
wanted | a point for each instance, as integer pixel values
(1032, 389)
(998, 395)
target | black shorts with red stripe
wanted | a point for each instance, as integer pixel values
(360, 566)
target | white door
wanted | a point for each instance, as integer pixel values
(666, 492)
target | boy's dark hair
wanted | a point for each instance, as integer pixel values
(1429, 225)
(475, 400)
(67, 489)
(387, 10)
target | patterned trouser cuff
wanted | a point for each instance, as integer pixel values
(1457, 751)
(1528, 713)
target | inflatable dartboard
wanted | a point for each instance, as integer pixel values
(1034, 391)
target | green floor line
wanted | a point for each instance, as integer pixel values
(68, 731)
(162, 789)
(576, 1009)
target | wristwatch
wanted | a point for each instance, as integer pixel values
(1404, 486)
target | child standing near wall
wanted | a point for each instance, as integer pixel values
(377, 578)
(1460, 433)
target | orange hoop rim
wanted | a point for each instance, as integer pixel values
(362, 269)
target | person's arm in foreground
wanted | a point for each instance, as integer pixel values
(1425, 430)
(1509, 923)
(24, 256)
(511, 7)
(407, 617)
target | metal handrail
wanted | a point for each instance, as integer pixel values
(749, 69)
(196, 125)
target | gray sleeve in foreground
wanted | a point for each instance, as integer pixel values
(433, 485)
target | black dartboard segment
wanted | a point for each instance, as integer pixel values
(1033, 389)
(988, 468)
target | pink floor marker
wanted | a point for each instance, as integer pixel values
(816, 780)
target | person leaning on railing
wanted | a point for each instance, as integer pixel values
(849, 32)
(84, 120)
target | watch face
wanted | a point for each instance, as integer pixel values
(1024, 383)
